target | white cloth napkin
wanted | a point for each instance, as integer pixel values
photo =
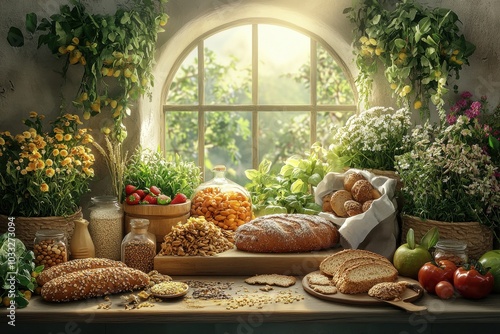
(375, 229)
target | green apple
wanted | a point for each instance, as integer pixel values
(491, 260)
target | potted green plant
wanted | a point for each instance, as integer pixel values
(44, 174)
(451, 175)
(116, 52)
(418, 47)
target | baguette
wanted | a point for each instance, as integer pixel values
(75, 265)
(90, 283)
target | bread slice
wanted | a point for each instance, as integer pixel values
(331, 264)
(349, 263)
(272, 279)
(364, 276)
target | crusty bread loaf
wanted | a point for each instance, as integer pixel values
(354, 262)
(353, 208)
(331, 264)
(75, 265)
(364, 276)
(90, 283)
(285, 233)
(362, 191)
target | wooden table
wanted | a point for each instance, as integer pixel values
(309, 314)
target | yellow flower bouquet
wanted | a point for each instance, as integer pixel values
(44, 174)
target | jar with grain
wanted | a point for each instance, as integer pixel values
(453, 250)
(222, 201)
(50, 248)
(106, 226)
(138, 248)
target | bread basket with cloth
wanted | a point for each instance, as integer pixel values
(375, 229)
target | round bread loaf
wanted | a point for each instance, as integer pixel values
(353, 208)
(362, 191)
(367, 205)
(286, 233)
(337, 202)
(352, 178)
(326, 206)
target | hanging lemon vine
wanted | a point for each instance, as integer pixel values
(419, 47)
(115, 50)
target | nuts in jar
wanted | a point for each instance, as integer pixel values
(50, 248)
(452, 250)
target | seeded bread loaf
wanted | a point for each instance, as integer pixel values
(331, 264)
(286, 233)
(362, 277)
(91, 283)
(75, 265)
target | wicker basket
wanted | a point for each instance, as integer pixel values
(478, 237)
(25, 228)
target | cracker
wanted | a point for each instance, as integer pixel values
(272, 279)
(325, 289)
(318, 279)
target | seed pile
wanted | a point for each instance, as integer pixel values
(195, 237)
(169, 288)
(140, 255)
(49, 253)
(227, 210)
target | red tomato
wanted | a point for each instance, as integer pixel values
(430, 274)
(444, 290)
(473, 281)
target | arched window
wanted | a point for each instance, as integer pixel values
(258, 89)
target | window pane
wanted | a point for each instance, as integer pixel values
(184, 88)
(283, 53)
(282, 134)
(228, 142)
(228, 64)
(327, 121)
(332, 84)
(181, 134)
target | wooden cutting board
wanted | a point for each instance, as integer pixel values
(236, 262)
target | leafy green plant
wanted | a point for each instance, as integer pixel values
(115, 50)
(147, 168)
(292, 189)
(17, 271)
(419, 48)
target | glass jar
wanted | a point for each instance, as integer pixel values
(50, 248)
(453, 250)
(106, 226)
(222, 201)
(138, 248)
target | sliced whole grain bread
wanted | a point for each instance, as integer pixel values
(272, 279)
(331, 264)
(349, 263)
(364, 276)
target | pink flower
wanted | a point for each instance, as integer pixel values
(451, 119)
(462, 103)
(454, 109)
(466, 95)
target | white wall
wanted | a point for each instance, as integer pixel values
(29, 78)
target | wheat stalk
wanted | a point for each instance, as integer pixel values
(115, 161)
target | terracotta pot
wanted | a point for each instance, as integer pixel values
(161, 217)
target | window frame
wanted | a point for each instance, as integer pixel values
(255, 108)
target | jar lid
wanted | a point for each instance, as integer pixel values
(104, 199)
(451, 245)
(219, 168)
(139, 223)
(49, 233)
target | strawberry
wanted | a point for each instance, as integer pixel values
(133, 199)
(155, 190)
(163, 199)
(179, 198)
(130, 189)
(149, 199)
(142, 193)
